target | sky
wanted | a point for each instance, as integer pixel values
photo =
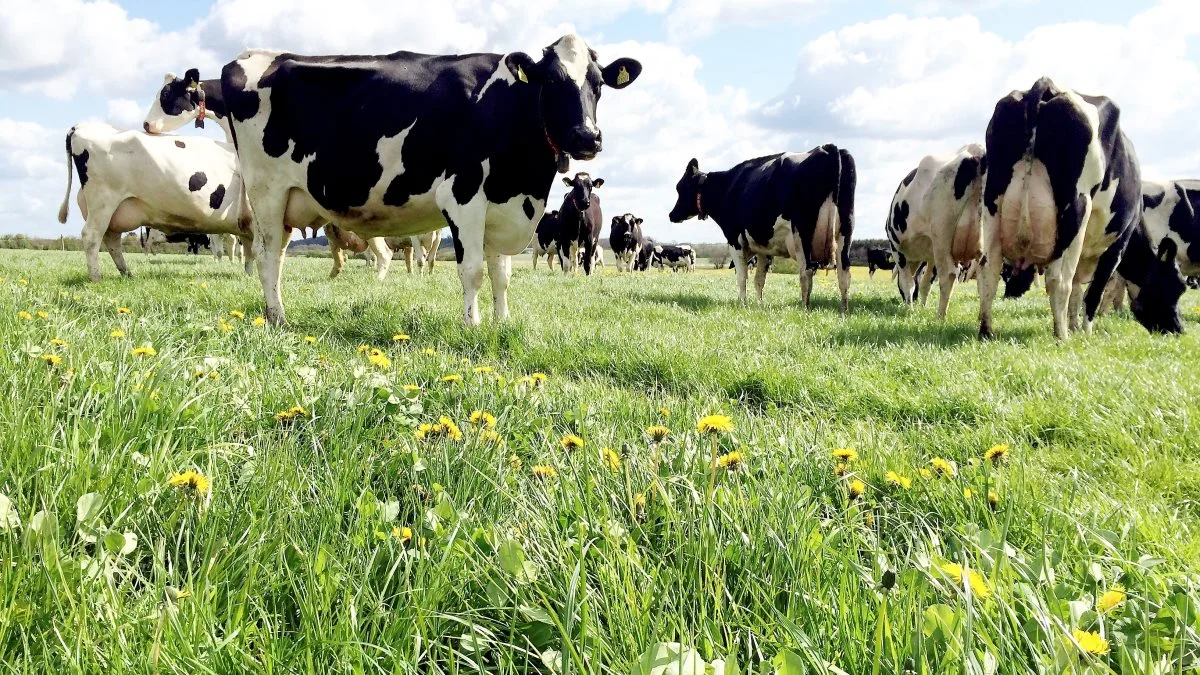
(723, 80)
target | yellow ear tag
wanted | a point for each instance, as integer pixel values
(622, 76)
(521, 75)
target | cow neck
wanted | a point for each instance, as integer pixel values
(710, 188)
(214, 103)
(562, 161)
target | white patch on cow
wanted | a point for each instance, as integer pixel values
(589, 125)
(575, 57)
(255, 62)
(509, 230)
(501, 74)
(938, 224)
(390, 150)
(1158, 228)
(1093, 163)
(777, 245)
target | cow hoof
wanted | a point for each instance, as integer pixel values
(985, 333)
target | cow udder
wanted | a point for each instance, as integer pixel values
(1027, 218)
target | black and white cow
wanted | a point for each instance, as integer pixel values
(934, 218)
(128, 180)
(422, 250)
(1063, 190)
(678, 258)
(579, 222)
(545, 240)
(402, 144)
(625, 240)
(645, 256)
(796, 204)
(879, 259)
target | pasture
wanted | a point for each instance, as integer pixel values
(320, 534)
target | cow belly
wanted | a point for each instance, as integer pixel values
(509, 228)
(1027, 220)
(419, 215)
(965, 246)
(779, 244)
(133, 213)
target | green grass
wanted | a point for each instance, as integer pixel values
(290, 563)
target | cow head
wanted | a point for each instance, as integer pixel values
(581, 189)
(569, 79)
(688, 205)
(177, 103)
(1157, 304)
(630, 222)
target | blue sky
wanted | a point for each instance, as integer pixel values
(890, 80)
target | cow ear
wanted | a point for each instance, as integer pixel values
(599, 182)
(169, 78)
(616, 220)
(693, 167)
(638, 221)
(567, 182)
(192, 76)
(621, 73)
(523, 67)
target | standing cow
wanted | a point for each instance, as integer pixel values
(796, 204)
(625, 240)
(545, 240)
(422, 250)
(679, 258)
(934, 218)
(1063, 190)
(579, 222)
(402, 144)
(879, 259)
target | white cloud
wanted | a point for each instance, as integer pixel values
(32, 175)
(124, 113)
(693, 19)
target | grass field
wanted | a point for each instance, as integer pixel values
(333, 540)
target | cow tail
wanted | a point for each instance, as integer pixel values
(62, 210)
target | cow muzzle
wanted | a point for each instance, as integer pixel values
(584, 144)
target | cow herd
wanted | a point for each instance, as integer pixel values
(385, 151)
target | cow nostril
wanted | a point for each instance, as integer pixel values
(146, 126)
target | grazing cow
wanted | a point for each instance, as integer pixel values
(1063, 190)
(423, 249)
(678, 258)
(404, 143)
(879, 259)
(194, 241)
(342, 241)
(579, 223)
(1018, 282)
(625, 240)
(645, 256)
(798, 205)
(545, 242)
(934, 218)
(128, 179)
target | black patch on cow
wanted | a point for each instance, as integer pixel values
(458, 247)
(547, 229)
(968, 170)
(527, 206)
(81, 161)
(909, 178)
(197, 181)
(180, 144)
(1153, 201)
(900, 216)
(217, 196)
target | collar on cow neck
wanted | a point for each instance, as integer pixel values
(562, 160)
(700, 198)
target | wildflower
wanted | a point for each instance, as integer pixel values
(400, 337)
(23, 282)
(571, 442)
(310, 339)
(840, 470)
(259, 321)
(124, 310)
(610, 458)
(290, 414)
(59, 343)
(154, 395)
(1090, 642)
(412, 389)
(979, 587)
(362, 349)
(1114, 598)
(444, 427)
(51, 359)
(997, 454)
(224, 326)
(116, 333)
(543, 471)
(481, 418)
(857, 489)
(404, 534)
(898, 480)
(714, 424)
(657, 433)
(237, 315)
(428, 352)
(539, 379)
(845, 455)
(491, 436)
(968, 493)
(43, 315)
(192, 482)
(993, 499)
(664, 413)
(144, 350)
(732, 460)
(925, 473)
(203, 284)
(24, 316)
(379, 359)
(514, 462)
(452, 379)
(639, 502)
(942, 468)
(483, 370)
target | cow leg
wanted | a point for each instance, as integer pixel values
(95, 228)
(339, 257)
(843, 276)
(924, 283)
(246, 249)
(806, 286)
(947, 275)
(536, 254)
(466, 223)
(1105, 269)
(270, 242)
(408, 259)
(905, 281)
(500, 271)
(1062, 271)
(760, 280)
(739, 268)
(112, 243)
(431, 251)
(383, 257)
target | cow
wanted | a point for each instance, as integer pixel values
(1062, 190)
(879, 259)
(678, 258)
(194, 242)
(579, 222)
(545, 241)
(934, 218)
(796, 204)
(625, 240)
(1018, 282)
(224, 245)
(645, 256)
(128, 179)
(422, 250)
(404, 143)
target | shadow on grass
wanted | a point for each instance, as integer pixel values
(944, 335)
(695, 302)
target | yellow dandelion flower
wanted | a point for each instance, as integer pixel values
(237, 315)
(997, 454)
(942, 468)
(423, 431)
(23, 282)
(664, 413)
(539, 379)
(845, 455)
(59, 343)
(1090, 642)
(610, 458)
(925, 473)
(732, 460)
(543, 471)
(43, 315)
(310, 339)
(840, 470)
(144, 350)
(484, 370)
(404, 534)
(955, 572)
(714, 424)
(379, 360)
(400, 337)
(116, 333)
(412, 389)
(1114, 598)
(192, 482)
(24, 316)
(203, 284)
(124, 310)
(224, 325)
(491, 436)
(898, 480)
(968, 493)
(454, 378)
(571, 442)
(482, 418)
(639, 502)
(362, 349)
(428, 352)
(259, 321)
(857, 489)
(993, 499)
(658, 433)
(51, 359)
(290, 414)
(514, 462)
